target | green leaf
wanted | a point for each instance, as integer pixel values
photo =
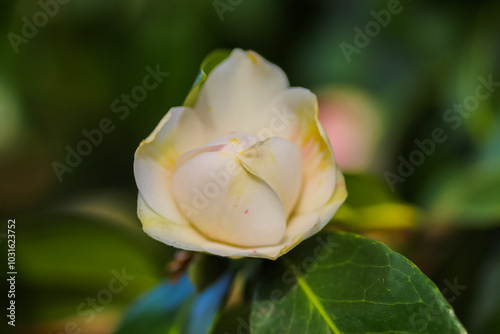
(344, 283)
(213, 59)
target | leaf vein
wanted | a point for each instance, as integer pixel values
(313, 298)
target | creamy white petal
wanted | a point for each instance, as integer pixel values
(156, 156)
(294, 116)
(180, 129)
(278, 162)
(167, 231)
(338, 197)
(236, 92)
(227, 203)
(155, 185)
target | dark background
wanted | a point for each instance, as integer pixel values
(64, 79)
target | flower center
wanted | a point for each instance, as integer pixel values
(239, 190)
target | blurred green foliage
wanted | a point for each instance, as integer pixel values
(64, 80)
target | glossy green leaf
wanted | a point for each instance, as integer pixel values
(344, 283)
(208, 64)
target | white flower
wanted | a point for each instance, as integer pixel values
(247, 171)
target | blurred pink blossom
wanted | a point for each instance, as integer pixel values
(353, 124)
